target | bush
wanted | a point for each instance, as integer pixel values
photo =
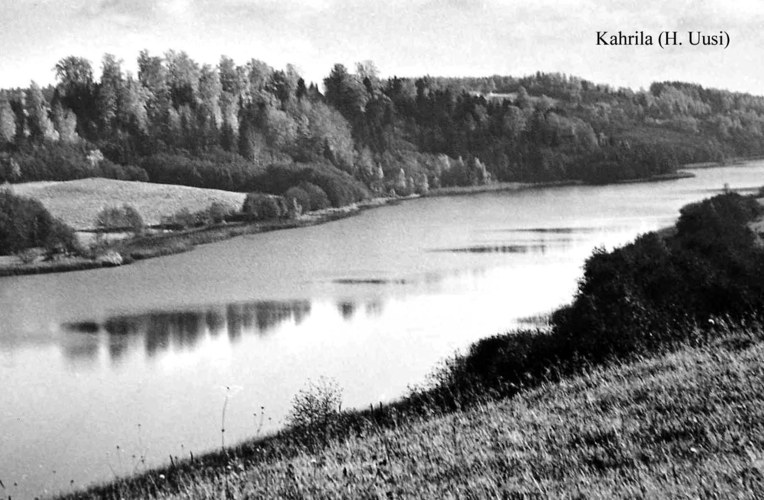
(298, 195)
(217, 212)
(259, 206)
(317, 406)
(645, 294)
(318, 198)
(340, 188)
(642, 298)
(28, 256)
(184, 218)
(125, 218)
(25, 223)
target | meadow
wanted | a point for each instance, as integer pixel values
(78, 202)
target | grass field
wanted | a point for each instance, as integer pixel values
(688, 424)
(78, 202)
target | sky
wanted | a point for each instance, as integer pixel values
(402, 37)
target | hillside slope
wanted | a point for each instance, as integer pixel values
(78, 202)
(684, 424)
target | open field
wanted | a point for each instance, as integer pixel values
(683, 424)
(78, 202)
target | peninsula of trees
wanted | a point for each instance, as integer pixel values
(251, 128)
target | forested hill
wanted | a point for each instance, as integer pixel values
(254, 128)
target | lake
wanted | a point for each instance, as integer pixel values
(106, 373)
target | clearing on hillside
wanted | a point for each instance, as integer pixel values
(78, 202)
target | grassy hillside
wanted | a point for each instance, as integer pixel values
(78, 202)
(684, 424)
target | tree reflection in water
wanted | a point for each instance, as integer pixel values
(157, 331)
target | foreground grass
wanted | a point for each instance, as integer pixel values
(77, 203)
(684, 424)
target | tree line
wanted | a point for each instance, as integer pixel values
(232, 126)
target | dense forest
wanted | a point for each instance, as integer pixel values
(255, 128)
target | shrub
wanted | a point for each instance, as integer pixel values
(300, 196)
(60, 239)
(28, 256)
(642, 298)
(124, 218)
(217, 212)
(182, 219)
(25, 223)
(259, 206)
(317, 406)
(340, 188)
(645, 294)
(318, 198)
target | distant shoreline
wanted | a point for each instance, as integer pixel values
(147, 247)
(679, 174)
(737, 160)
(495, 187)
(161, 245)
(520, 186)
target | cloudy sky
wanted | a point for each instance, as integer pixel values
(403, 37)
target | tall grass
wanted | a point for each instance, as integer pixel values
(686, 423)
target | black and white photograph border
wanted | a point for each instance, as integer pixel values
(381, 249)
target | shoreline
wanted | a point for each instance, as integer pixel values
(521, 186)
(497, 187)
(731, 162)
(679, 174)
(147, 247)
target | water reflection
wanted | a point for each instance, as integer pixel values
(158, 331)
(370, 281)
(535, 247)
(559, 230)
(431, 280)
(526, 248)
(347, 310)
(81, 350)
(374, 308)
